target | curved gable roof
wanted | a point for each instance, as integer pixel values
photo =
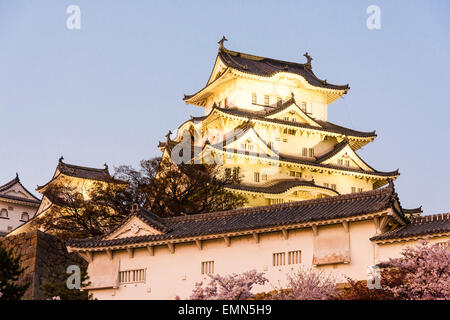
(267, 67)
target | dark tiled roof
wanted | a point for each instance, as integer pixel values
(267, 67)
(11, 183)
(85, 173)
(285, 214)
(420, 226)
(325, 125)
(336, 167)
(413, 211)
(333, 152)
(278, 186)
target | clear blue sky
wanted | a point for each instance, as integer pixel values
(110, 91)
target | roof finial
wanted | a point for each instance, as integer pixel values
(168, 136)
(308, 62)
(292, 95)
(106, 166)
(17, 176)
(61, 159)
(221, 42)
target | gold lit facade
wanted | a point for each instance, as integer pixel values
(267, 120)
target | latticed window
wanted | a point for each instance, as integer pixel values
(266, 100)
(333, 186)
(279, 259)
(254, 100)
(360, 190)
(132, 276)
(305, 152)
(25, 216)
(207, 267)
(347, 163)
(276, 201)
(340, 162)
(311, 152)
(256, 176)
(294, 257)
(353, 189)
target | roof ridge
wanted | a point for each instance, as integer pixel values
(305, 66)
(251, 115)
(10, 183)
(259, 209)
(338, 147)
(61, 164)
(286, 184)
(430, 218)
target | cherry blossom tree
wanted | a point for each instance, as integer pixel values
(229, 287)
(308, 284)
(421, 273)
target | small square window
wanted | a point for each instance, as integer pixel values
(333, 186)
(279, 259)
(311, 152)
(326, 185)
(207, 267)
(294, 257)
(304, 152)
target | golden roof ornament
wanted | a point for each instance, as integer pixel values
(168, 136)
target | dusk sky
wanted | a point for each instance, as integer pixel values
(111, 90)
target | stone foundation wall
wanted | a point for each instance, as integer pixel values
(45, 258)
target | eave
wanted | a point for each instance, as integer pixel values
(413, 238)
(356, 142)
(247, 232)
(384, 176)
